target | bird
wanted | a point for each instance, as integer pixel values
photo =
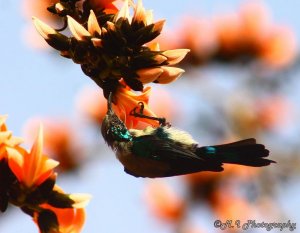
(165, 151)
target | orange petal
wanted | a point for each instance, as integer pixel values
(149, 75)
(140, 13)
(43, 29)
(123, 13)
(80, 199)
(59, 7)
(16, 161)
(170, 74)
(175, 56)
(154, 46)
(93, 25)
(31, 168)
(158, 26)
(4, 136)
(97, 42)
(160, 59)
(14, 141)
(127, 100)
(78, 31)
(70, 220)
(111, 26)
(2, 122)
(149, 17)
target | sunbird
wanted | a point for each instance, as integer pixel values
(165, 151)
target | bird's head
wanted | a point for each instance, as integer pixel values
(113, 129)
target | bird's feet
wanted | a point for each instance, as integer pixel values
(162, 121)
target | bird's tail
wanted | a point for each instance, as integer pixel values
(245, 152)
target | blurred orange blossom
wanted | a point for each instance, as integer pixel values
(228, 205)
(163, 202)
(60, 141)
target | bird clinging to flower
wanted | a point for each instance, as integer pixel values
(166, 151)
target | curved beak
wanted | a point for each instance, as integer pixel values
(109, 104)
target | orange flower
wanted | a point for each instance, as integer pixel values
(6, 138)
(279, 48)
(201, 178)
(228, 205)
(126, 100)
(108, 5)
(31, 168)
(274, 112)
(70, 220)
(256, 20)
(59, 141)
(274, 45)
(163, 202)
(202, 42)
(228, 31)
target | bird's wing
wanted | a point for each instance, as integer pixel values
(152, 147)
(180, 160)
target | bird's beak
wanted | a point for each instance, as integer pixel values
(109, 104)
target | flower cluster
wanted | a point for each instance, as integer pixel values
(115, 51)
(27, 180)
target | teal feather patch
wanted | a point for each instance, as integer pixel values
(121, 134)
(210, 150)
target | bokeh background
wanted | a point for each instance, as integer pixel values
(241, 81)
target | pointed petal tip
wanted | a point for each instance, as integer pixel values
(149, 75)
(170, 74)
(93, 25)
(154, 46)
(111, 25)
(3, 118)
(40, 136)
(59, 7)
(97, 42)
(123, 12)
(175, 55)
(78, 31)
(160, 59)
(158, 26)
(43, 29)
(80, 199)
